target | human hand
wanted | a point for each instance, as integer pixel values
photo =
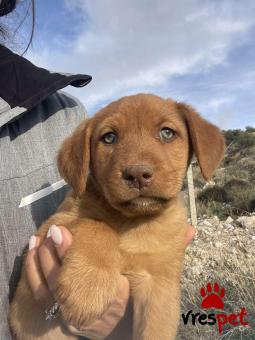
(190, 234)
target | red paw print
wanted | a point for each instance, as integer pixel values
(212, 297)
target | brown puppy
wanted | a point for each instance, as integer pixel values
(126, 167)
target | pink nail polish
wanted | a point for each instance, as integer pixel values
(48, 234)
(56, 234)
(32, 242)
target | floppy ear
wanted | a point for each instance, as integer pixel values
(207, 140)
(74, 158)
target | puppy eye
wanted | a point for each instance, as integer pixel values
(166, 134)
(109, 138)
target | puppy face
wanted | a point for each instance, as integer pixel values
(139, 154)
(138, 149)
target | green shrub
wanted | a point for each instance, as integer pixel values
(213, 208)
(242, 138)
(231, 135)
(249, 129)
(235, 185)
(240, 194)
(246, 140)
(215, 193)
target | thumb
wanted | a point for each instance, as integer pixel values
(62, 239)
(191, 232)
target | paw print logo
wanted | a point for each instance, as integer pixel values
(212, 296)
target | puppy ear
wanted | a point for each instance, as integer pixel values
(207, 140)
(74, 158)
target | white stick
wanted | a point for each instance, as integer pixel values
(192, 200)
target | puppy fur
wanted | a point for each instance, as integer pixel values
(120, 228)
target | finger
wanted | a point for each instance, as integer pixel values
(92, 335)
(190, 234)
(52, 251)
(102, 327)
(34, 274)
(119, 304)
(62, 239)
(49, 262)
(117, 308)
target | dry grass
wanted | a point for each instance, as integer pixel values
(227, 257)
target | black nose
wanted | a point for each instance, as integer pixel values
(138, 176)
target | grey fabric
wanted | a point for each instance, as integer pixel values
(7, 113)
(28, 147)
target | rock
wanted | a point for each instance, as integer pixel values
(229, 220)
(207, 223)
(209, 184)
(228, 226)
(217, 244)
(246, 221)
(196, 272)
(214, 221)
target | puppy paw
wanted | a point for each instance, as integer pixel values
(84, 297)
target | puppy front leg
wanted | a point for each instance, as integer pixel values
(90, 273)
(156, 307)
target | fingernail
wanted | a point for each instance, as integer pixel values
(48, 234)
(56, 234)
(32, 242)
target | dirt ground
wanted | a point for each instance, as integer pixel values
(222, 252)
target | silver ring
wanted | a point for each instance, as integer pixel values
(52, 312)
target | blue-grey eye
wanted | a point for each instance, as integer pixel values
(109, 138)
(166, 134)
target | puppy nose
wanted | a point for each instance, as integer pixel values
(138, 176)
